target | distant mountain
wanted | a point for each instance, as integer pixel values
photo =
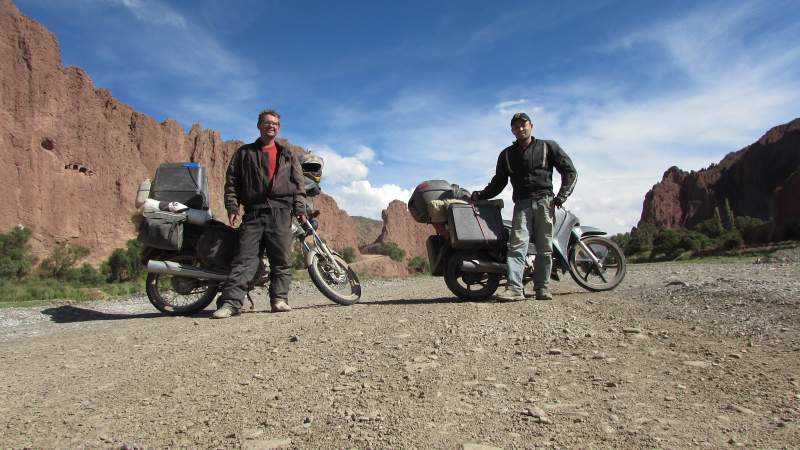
(761, 180)
(368, 230)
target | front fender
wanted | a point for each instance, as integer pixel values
(583, 231)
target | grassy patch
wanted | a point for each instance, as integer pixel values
(36, 291)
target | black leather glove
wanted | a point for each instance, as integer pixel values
(476, 195)
(558, 202)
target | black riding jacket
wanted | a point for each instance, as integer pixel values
(246, 181)
(531, 171)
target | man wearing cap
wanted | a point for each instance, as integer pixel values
(529, 163)
(266, 179)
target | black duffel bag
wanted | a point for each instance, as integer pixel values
(217, 246)
(162, 229)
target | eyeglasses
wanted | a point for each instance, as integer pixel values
(274, 124)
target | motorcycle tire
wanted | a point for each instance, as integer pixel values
(461, 283)
(326, 281)
(581, 267)
(174, 303)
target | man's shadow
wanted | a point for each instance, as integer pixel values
(417, 301)
(71, 314)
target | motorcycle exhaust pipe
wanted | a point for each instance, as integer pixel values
(483, 266)
(179, 270)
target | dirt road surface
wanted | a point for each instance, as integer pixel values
(679, 356)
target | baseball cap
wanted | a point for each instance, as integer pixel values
(520, 116)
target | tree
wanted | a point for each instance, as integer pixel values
(641, 240)
(711, 227)
(62, 259)
(15, 258)
(668, 243)
(728, 220)
(125, 264)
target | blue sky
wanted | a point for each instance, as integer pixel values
(394, 93)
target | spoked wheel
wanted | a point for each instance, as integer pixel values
(179, 296)
(334, 278)
(604, 275)
(469, 285)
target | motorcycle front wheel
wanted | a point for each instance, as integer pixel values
(335, 279)
(179, 296)
(468, 286)
(611, 269)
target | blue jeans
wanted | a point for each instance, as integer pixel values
(531, 215)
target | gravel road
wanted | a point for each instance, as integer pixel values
(679, 356)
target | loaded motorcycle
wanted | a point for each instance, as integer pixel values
(188, 253)
(469, 247)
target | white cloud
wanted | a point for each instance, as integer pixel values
(510, 107)
(360, 198)
(727, 92)
(340, 169)
(364, 153)
(153, 12)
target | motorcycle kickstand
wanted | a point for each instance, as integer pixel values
(249, 298)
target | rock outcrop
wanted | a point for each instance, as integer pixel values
(399, 227)
(72, 156)
(760, 180)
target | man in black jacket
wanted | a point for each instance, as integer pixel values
(266, 179)
(529, 163)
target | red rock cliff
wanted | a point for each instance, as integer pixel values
(757, 181)
(399, 227)
(71, 156)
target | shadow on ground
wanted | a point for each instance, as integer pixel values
(418, 301)
(71, 313)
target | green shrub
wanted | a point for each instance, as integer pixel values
(86, 275)
(124, 264)
(730, 240)
(15, 258)
(349, 254)
(392, 250)
(62, 259)
(711, 227)
(667, 243)
(418, 264)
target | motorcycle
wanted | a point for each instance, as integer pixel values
(473, 269)
(184, 278)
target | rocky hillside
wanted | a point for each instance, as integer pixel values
(761, 180)
(368, 230)
(72, 155)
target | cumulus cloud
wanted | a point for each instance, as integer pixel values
(364, 153)
(361, 198)
(341, 169)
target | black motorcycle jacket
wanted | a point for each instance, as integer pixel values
(531, 171)
(247, 183)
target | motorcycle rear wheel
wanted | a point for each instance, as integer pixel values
(469, 286)
(344, 288)
(179, 296)
(587, 275)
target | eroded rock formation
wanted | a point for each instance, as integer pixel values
(399, 227)
(760, 180)
(72, 156)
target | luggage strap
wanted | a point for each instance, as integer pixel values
(478, 218)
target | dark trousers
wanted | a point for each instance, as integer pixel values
(273, 227)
